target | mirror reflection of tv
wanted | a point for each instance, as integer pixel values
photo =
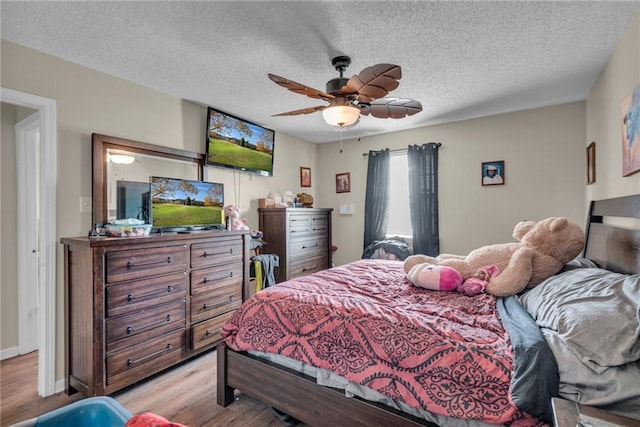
(132, 200)
(236, 143)
(183, 204)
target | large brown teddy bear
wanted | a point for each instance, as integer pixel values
(544, 247)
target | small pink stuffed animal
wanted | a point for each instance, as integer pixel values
(435, 277)
(478, 282)
(236, 222)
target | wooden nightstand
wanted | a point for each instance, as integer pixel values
(567, 414)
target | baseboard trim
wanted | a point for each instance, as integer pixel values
(59, 387)
(9, 353)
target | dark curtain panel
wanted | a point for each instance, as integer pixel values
(376, 205)
(423, 197)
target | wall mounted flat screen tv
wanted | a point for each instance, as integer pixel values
(238, 144)
(182, 204)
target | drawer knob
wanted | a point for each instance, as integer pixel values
(231, 250)
(230, 298)
(205, 306)
(207, 333)
(204, 255)
(231, 274)
(204, 280)
(168, 318)
(129, 297)
(129, 330)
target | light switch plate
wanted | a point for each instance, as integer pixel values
(85, 204)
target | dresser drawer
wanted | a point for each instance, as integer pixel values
(221, 251)
(144, 324)
(139, 263)
(299, 225)
(209, 279)
(208, 332)
(307, 248)
(307, 266)
(211, 304)
(146, 357)
(319, 224)
(126, 297)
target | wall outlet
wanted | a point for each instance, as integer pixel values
(85, 204)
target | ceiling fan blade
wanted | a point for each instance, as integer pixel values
(391, 108)
(302, 111)
(300, 88)
(374, 82)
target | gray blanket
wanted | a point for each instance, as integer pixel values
(535, 372)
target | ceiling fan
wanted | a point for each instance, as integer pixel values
(363, 93)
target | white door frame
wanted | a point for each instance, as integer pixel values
(27, 138)
(47, 242)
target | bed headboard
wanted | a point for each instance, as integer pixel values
(615, 248)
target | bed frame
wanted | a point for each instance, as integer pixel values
(613, 247)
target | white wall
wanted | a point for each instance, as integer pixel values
(543, 150)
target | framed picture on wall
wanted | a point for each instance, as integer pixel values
(305, 177)
(631, 133)
(493, 173)
(343, 182)
(591, 163)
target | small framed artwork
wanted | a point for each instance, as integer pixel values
(493, 173)
(591, 163)
(305, 177)
(343, 182)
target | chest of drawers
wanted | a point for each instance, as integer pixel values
(301, 237)
(136, 306)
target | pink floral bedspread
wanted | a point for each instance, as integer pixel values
(438, 351)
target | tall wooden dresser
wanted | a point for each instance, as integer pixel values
(137, 305)
(301, 237)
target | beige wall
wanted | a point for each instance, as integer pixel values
(10, 115)
(604, 117)
(90, 101)
(543, 150)
(8, 236)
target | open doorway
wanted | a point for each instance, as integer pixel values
(27, 146)
(46, 232)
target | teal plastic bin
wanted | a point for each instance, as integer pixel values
(101, 411)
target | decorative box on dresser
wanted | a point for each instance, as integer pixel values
(135, 306)
(301, 237)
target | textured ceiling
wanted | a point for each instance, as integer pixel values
(459, 59)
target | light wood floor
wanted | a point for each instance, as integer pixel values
(185, 394)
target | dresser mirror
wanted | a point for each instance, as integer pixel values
(121, 171)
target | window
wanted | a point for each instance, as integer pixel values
(399, 212)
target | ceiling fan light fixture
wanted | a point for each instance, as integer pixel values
(341, 115)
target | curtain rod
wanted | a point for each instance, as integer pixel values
(404, 150)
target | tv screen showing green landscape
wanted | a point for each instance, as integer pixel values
(183, 203)
(239, 144)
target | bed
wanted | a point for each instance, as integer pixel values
(358, 345)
